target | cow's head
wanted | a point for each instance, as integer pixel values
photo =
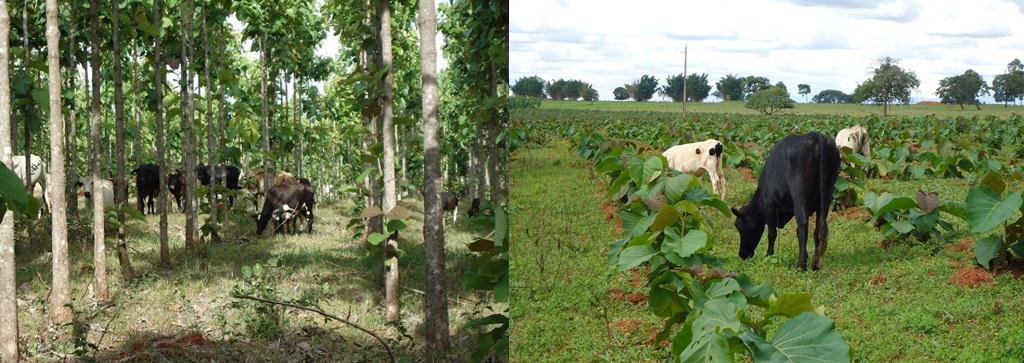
(751, 226)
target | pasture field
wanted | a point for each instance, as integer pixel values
(799, 109)
(184, 313)
(901, 300)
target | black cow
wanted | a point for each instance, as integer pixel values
(305, 181)
(797, 180)
(226, 174)
(284, 202)
(147, 186)
(176, 185)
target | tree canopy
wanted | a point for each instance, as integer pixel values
(620, 93)
(770, 100)
(832, 96)
(964, 88)
(697, 87)
(730, 88)
(888, 83)
(643, 89)
(532, 86)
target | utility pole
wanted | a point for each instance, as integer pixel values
(684, 80)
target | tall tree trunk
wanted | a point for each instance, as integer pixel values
(388, 139)
(436, 308)
(187, 123)
(8, 290)
(28, 133)
(404, 143)
(120, 183)
(221, 115)
(96, 142)
(71, 145)
(60, 313)
(482, 158)
(265, 57)
(493, 151)
(210, 127)
(137, 97)
(158, 86)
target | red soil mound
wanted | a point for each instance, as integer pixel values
(971, 277)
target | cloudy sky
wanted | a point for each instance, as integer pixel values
(825, 44)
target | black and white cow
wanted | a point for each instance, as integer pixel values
(285, 202)
(797, 180)
(699, 157)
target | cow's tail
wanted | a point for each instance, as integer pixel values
(828, 171)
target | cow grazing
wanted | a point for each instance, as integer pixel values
(38, 174)
(450, 203)
(227, 175)
(856, 138)
(106, 191)
(797, 180)
(176, 185)
(285, 202)
(147, 186)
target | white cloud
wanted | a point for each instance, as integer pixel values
(826, 44)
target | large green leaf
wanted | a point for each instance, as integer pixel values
(987, 249)
(667, 216)
(676, 186)
(653, 168)
(717, 319)
(884, 203)
(805, 338)
(635, 256)
(13, 190)
(790, 305)
(692, 242)
(985, 211)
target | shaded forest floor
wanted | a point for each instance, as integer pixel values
(184, 312)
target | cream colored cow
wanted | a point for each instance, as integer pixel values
(856, 138)
(698, 157)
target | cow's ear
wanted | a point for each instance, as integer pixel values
(736, 211)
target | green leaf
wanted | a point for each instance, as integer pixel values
(376, 238)
(985, 211)
(501, 289)
(902, 226)
(13, 191)
(667, 216)
(987, 249)
(790, 305)
(994, 181)
(676, 186)
(954, 208)
(635, 256)
(664, 303)
(807, 337)
(653, 168)
(692, 242)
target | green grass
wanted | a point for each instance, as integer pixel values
(800, 109)
(895, 304)
(193, 293)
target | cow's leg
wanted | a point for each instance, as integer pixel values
(820, 238)
(721, 177)
(455, 213)
(801, 235)
(771, 240)
(140, 202)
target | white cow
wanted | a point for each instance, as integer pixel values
(38, 172)
(698, 157)
(106, 186)
(856, 138)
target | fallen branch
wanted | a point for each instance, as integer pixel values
(326, 315)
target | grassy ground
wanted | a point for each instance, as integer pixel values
(150, 318)
(894, 304)
(800, 109)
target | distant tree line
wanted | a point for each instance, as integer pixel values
(888, 83)
(561, 89)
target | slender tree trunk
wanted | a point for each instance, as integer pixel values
(137, 97)
(436, 307)
(26, 63)
(96, 142)
(158, 116)
(482, 158)
(388, 139)
(221, 115)
(60, 313)
(404, 143)
(71, 146)
(267, 174)
(493, 174)
(210, 127)
(8, 289)
(187, 121)
(120, 184)
(365, 141)
(28, 132)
